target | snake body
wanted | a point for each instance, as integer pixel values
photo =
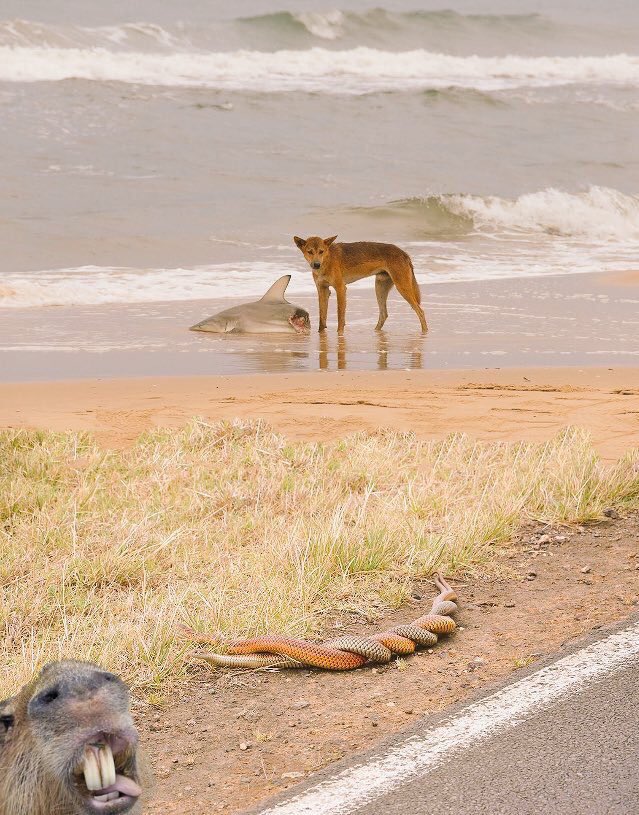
(343, 653)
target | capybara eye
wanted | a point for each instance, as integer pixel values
(48, 696)
(6, 722)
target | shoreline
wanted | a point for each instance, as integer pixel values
(565, 320)
(530, 404)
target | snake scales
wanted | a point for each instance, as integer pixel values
(343, 653)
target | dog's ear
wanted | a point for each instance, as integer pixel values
(301, 242)
(329, 241)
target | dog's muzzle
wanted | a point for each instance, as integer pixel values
(315, 264)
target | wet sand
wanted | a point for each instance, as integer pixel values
(506, 405)
(574, 320)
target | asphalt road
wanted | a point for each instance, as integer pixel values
(578, 757)
(563, 740)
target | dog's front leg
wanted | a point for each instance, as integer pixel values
(341, 308)
(323, 293)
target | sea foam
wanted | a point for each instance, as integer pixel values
(354, 71)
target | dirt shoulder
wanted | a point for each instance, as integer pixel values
(231, 739)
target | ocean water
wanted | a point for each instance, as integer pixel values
(156, 152)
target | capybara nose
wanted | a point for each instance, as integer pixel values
(316, 264)
(82, 686)
(92, 682)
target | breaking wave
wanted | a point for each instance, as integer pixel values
(95, 285)
(356, 71)
(379, 23)
(286, 29)
(148, 36)
(599, 214)
(328, 25)
(454, 238)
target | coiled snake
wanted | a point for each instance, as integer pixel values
(343, 653)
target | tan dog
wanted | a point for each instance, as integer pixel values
(338, 264)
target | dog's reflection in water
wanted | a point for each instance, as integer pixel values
(411, 349)
(326, 347)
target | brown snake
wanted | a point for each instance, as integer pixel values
(343, 653)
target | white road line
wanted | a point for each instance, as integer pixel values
(361, 784)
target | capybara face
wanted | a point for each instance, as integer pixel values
(69, 745)
(314, 249)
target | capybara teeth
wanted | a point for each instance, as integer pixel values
(91, 770)
(107, 766)
(108, 796)
(99, 767)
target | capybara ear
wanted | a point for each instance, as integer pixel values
(301, 242)
(329, 241)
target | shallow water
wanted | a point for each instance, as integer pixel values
(577, 320)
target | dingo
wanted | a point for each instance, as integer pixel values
(338, 264)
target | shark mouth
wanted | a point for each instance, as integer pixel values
(101, 780)
(300, 323)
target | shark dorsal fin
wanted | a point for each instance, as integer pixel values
(276, 292)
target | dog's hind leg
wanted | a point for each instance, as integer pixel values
(383, 285)
(408, 287)
(340, 291)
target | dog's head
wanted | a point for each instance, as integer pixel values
(315, 250)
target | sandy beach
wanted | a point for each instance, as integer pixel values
(500, 405)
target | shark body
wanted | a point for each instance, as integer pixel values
(271, 314)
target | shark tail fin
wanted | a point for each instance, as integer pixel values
(277, 290)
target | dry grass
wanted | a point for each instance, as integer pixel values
(233, 530)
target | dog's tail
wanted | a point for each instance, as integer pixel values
(418, 294)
